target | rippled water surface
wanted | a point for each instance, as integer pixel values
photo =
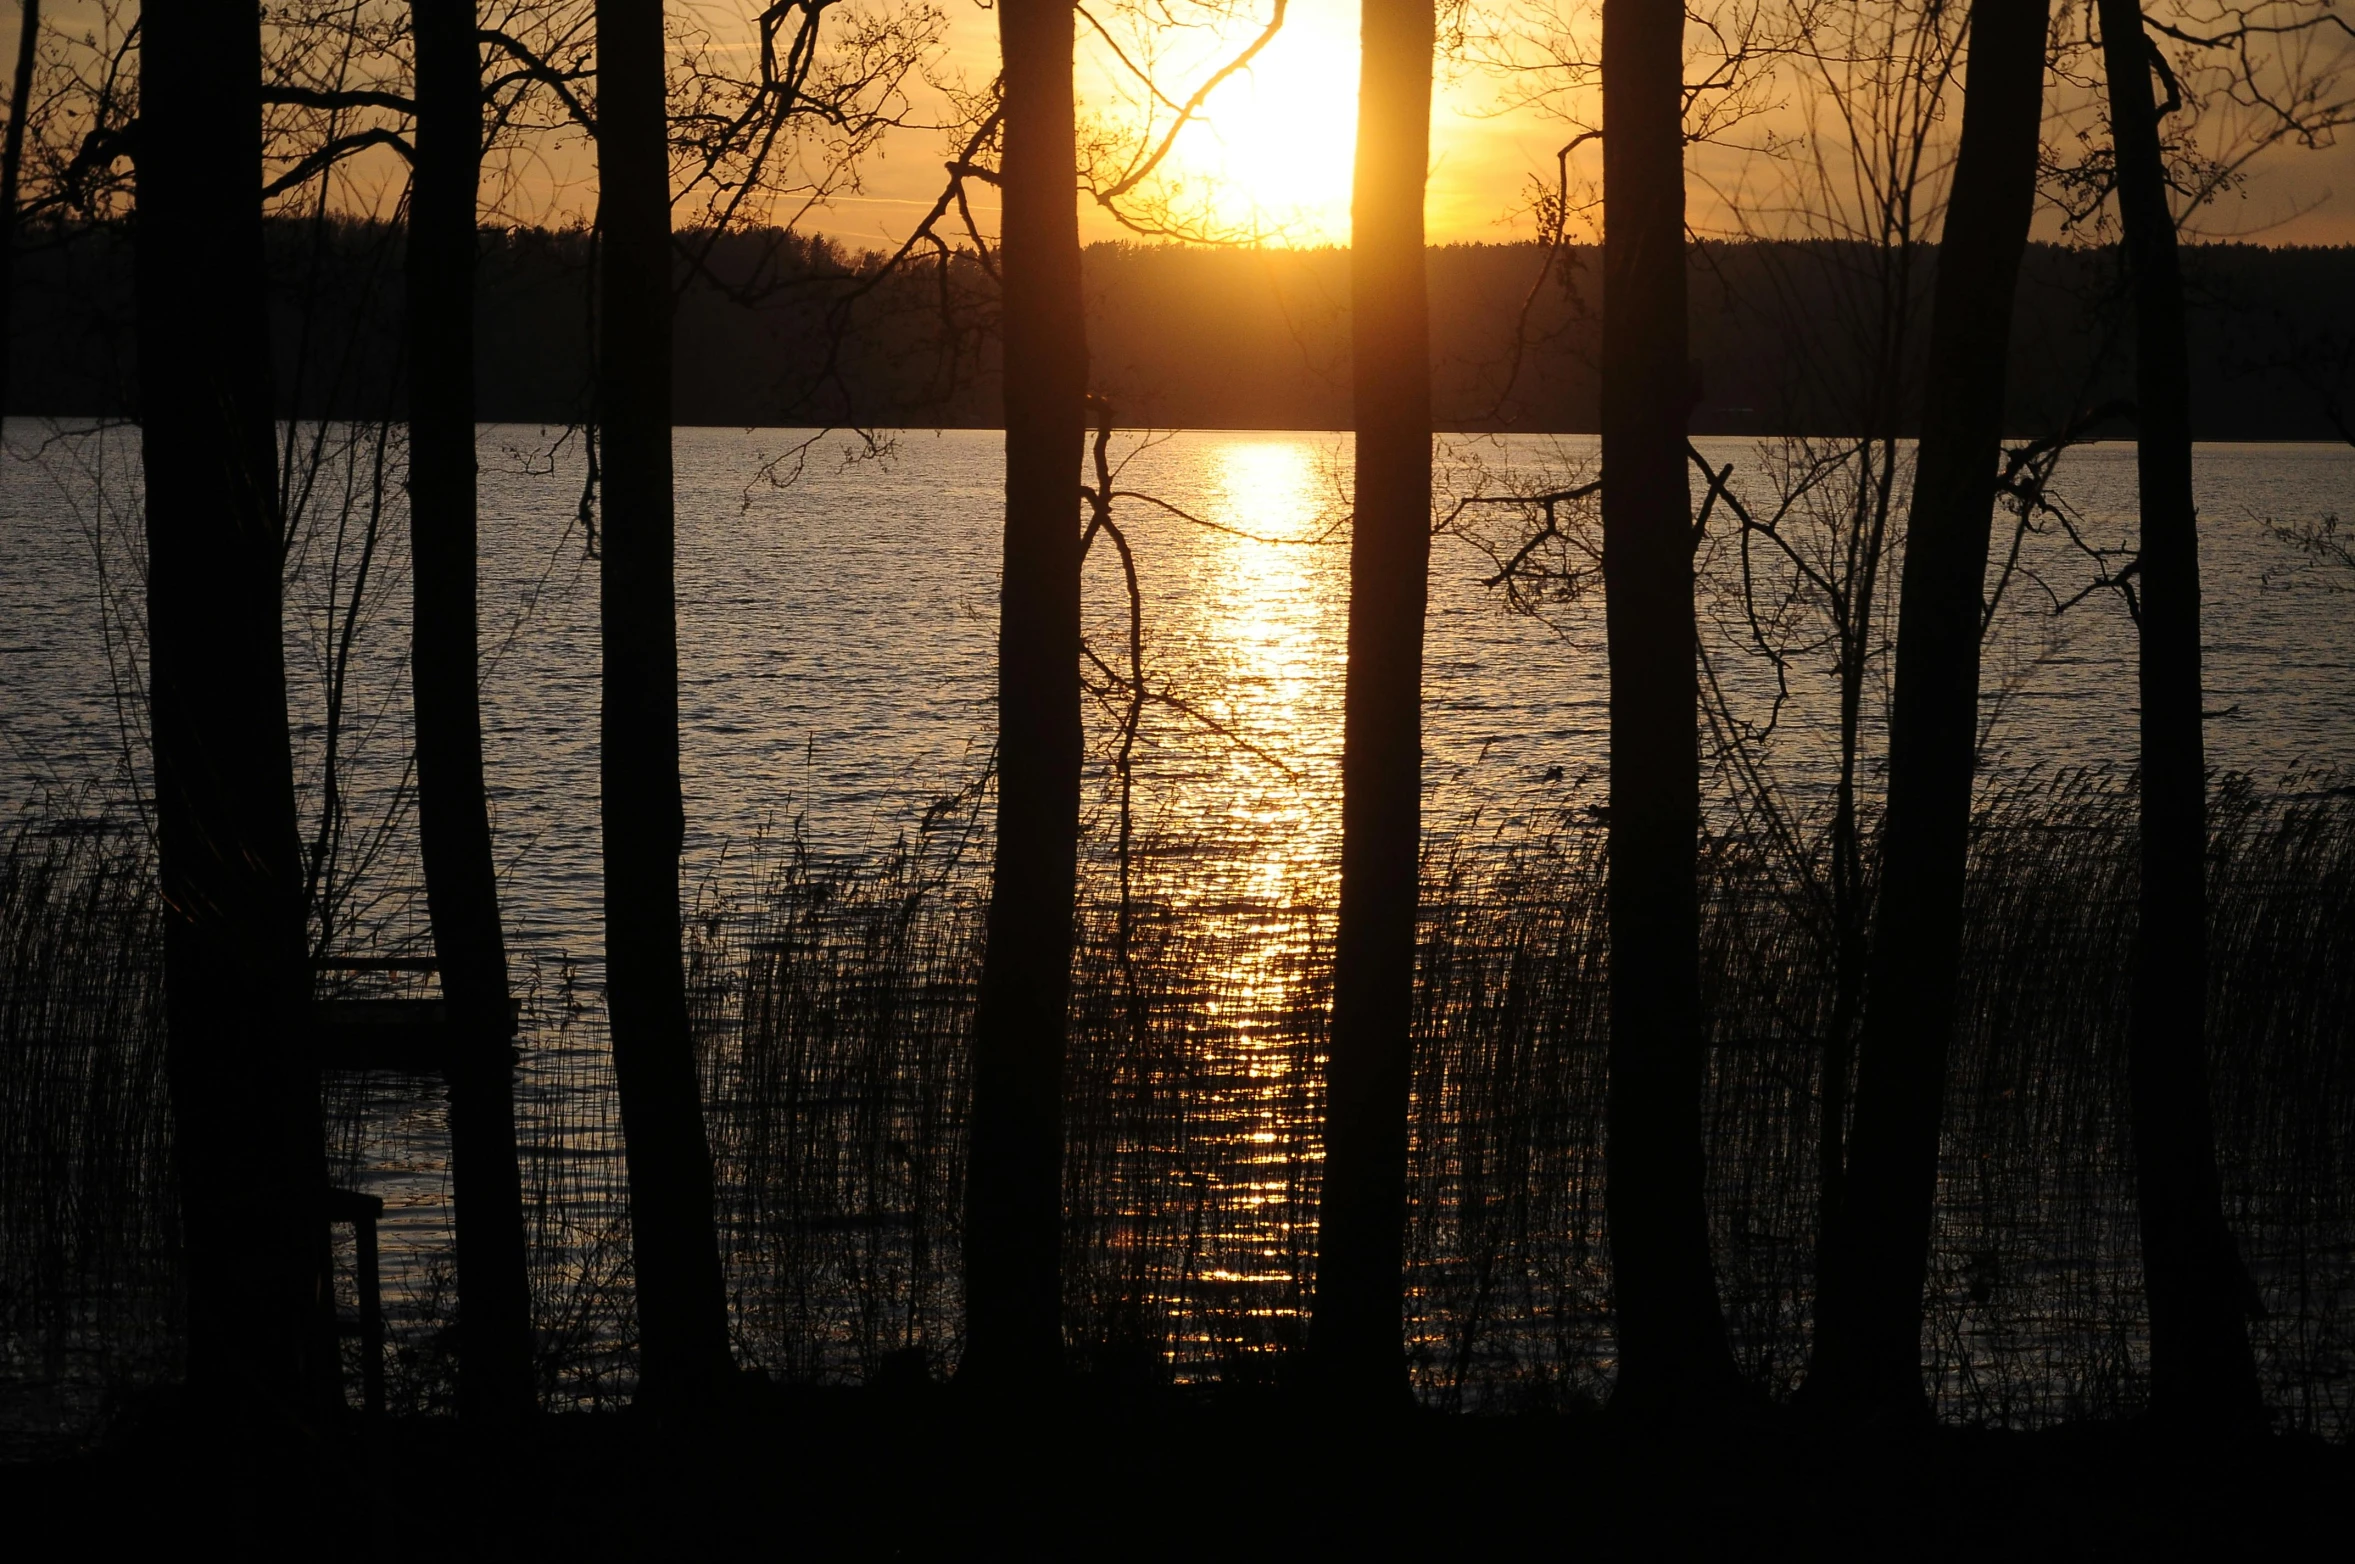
(835, 640)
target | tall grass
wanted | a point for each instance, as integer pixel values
(575, 1200)
(835, 1017)
(2036, 1309)
(88, 1218)
(390, 1133)
(834, 1020)
(834, 1010)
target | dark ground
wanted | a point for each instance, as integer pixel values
(859, 1474)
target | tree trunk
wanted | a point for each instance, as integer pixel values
(454, 823)
(682, 1307)
(244, 1082)
(1356, 1332)
(1672, 1346)
(2201, 1366)
(1867, 1354)
(12, 162)
(1014, 1194)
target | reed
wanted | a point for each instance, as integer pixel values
(1191, 1156)
(834, 1006)
(88, 1214)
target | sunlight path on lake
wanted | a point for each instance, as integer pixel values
(1269, 601)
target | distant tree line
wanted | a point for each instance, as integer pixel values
(1211, 338)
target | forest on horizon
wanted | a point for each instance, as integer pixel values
(1185, 337)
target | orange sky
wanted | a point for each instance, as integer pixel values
(1282, 130)
(1275, 141)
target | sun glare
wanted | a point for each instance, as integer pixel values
(1268, 598)
(1270, 153)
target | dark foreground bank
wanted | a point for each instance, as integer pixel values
(924, 1475)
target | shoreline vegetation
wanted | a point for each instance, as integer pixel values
(832, 1015)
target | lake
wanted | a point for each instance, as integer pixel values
(836, 625)
(836, 643)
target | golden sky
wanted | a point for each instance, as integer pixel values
(1277, 139)
(1271, 153)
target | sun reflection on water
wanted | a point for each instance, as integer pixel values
(1267, 610)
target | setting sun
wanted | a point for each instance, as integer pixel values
(1269, 153)
(1268, 156)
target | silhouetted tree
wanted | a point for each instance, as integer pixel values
(1672, 1341)
(1806, 596)
(12, 162)
(1867, 1351)
(2201, 1365)
(682, 1305)
(453, 816)
(244, 1083)
(1362, 1212)
(1014, 1214)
